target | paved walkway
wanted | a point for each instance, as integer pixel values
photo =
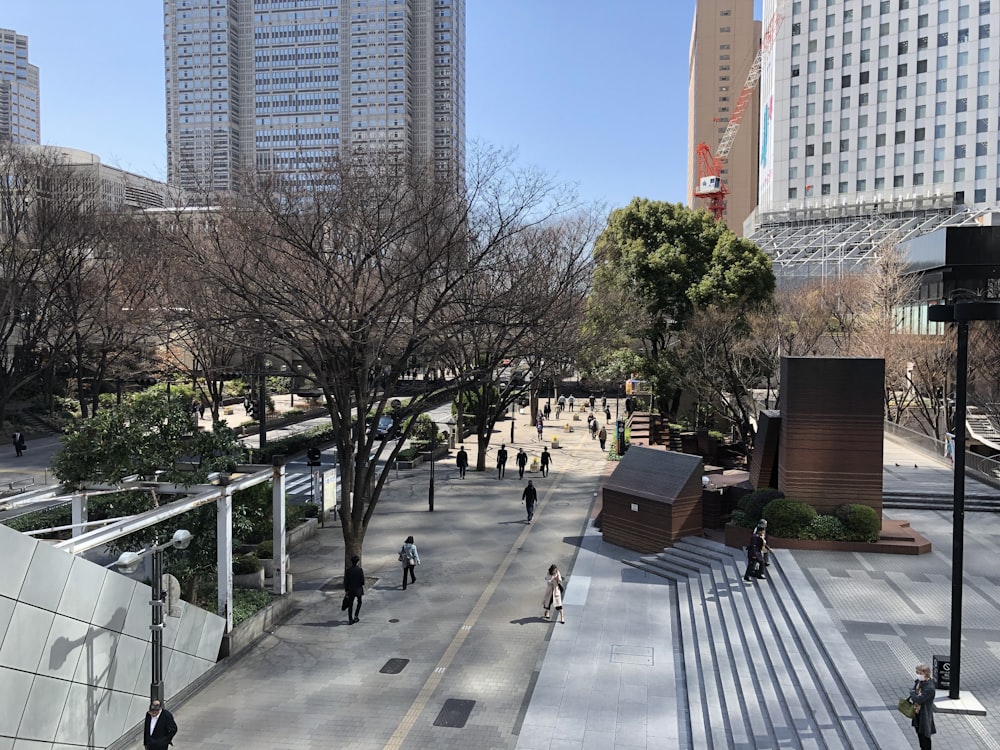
(463, 659)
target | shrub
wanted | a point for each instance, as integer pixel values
(739, 518)
(788, 518)
(827, 528)
(754, 503)
(265, 550)
(248, 601)
(246, 564)
(861, 522)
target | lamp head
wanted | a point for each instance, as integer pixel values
(128, 562)
(181, 539)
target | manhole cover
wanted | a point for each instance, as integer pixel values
(454, 713)
(394, 619)
(394, 666)
(641, 655)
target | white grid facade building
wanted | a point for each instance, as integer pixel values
(283, 85)
(876, 113)
(19, 102)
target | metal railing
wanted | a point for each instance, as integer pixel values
(981, 468)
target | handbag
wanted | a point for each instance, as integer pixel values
(402, 555)
(906, 708)
(346, 603)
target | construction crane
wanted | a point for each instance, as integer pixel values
(711, 186)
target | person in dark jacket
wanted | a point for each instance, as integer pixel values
(462, 461)
(522, 460)
(922, 698)
(18, 440)
(501, 461)
(354, 587)
(530, 497)
(159, 728)
(546, 459)
(755, 557)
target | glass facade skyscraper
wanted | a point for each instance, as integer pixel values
(283, 85)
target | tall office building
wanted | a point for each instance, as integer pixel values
(880, 120)
(282, 85)
(19, 108)
(724, 40)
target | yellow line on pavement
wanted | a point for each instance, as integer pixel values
(420, 703)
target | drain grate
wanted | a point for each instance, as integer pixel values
(454, 713)
(632, 655)
(394, 666)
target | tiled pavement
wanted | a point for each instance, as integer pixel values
(471, 627)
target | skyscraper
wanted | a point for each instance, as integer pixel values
(283, 85)
(724, 40)
(879, 120)
(19, 108)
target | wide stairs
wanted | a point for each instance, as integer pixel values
(759, 664)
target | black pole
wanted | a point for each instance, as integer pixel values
(262, 439)
(156, 629)
(513, 411)
(958, 531)
(430, 488)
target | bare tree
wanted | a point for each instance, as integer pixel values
(357, 273)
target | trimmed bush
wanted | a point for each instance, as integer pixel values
(246, 564)
(827, 528)
(788, 518)
(739, 518)
(861, 522)
(753, 504)
(265, 550)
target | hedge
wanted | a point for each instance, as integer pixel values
(788, 518)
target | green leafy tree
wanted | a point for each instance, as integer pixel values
(656, 264)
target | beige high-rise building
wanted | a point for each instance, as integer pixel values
(724, 41)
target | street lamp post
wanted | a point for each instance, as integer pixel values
(430, 488)
(128, 563)
(960, 313)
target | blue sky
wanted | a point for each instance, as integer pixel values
(593, 92)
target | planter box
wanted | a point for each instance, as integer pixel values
(306, 530)
(409, 464)
(897, 539)
(439, 452)
(269, 566)
(249, 580)
(255, 626)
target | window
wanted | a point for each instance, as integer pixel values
(861, 185)
(920, 113)
(826, 168)
(918, 134)
(848, 16)
(940, 108)
(862, 142)
(901, 114)
(845, 81)
(918, 157)
(845, 103)
(903, 25)
(960, 197)
(825, 189)
(963, 12)
(903, 47)
(960, 151)
(793, 132)
(795, 71)
(981, 172)
(810, 149)
(922, 88)
(962, 105)
(900, 137)
(982, 149)
(796, 28)
(958, 174)
(827, 147)
(862, 99)
(846, 59)
(921, 66)
(883, 96)
(943, 39)
(866, 34)
(793, 152)
(939, 153)
(922, 21)
(963, 35)
(980, 195)
(984, 31)
(812, 45)
(848, 37)
(983, 101)
(898, 160)
(883, 74)
(793, 111)
(879, 139)
(845, 145)
(811, 66)
(938, 176)
(863, 76)
(897, 181)
(793, 192)
(724, 30)
(918, 178)
(962, 82)
(866, 55)
(943, 16)
(879, 183)
(983, 79)
(984, 7)
(793, 173)
(901, 70)
(961, 127)
(881, 118)
(883, 52)
(811, 87)
(793, 91)
(982, 125)
(984, 55)
(862, 165)
(901, 93)
(883, 29)
(923, 42)
(940, 131)
(942, 85)
(862, 122)
(844, 166)
(828, 64)
(883, 7)
(810, 170)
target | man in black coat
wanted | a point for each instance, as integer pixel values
(160, 727)
(462, 462)
(545, 460)
(522, 460)
(530, 496)
(354, 587)
(501, 461)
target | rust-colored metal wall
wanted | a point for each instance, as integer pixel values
(830, 447)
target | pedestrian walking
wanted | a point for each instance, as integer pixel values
(522, 460)
(765, 550)
(501, 461)
(602, 436)
(202, 407)
(922, 698)
(607, 415)
(755, 557)
(159, 727)
(539, 425)
(604, 404)
(530, 497)
(593, 430)
(628, 406)
(410, 559)
(593, 401)
(553, 593)
(546, 459)
(462, 461)
(354, 588)
(571, 401)
(18, 440)
(547, 410)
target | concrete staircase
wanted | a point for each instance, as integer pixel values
(759, 664)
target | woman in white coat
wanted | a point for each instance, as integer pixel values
(553, 593)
